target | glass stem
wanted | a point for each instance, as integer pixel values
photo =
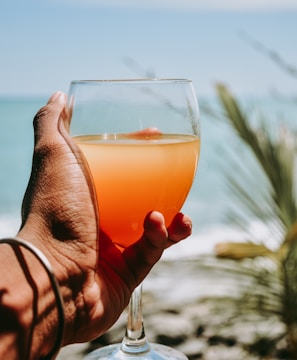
(134, 341)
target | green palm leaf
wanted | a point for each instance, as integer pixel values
(275, 157)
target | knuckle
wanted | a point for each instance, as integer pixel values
(41, 113)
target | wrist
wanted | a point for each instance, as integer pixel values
(33, 301)
(15, 306)
(65, 270)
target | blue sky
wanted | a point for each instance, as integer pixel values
(44, 44)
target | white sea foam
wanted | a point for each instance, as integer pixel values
(204, 242)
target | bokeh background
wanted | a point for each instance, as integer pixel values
(248, 45)
(46, 44)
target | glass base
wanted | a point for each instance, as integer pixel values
(156, 352)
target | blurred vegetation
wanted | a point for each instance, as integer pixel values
(275, 205)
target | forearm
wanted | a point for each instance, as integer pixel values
(28, 312)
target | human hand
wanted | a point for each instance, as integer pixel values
(60, 217)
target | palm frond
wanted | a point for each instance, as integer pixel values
(275, 157)
(237, 251)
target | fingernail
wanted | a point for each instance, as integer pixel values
(188, 227)
(57, 95)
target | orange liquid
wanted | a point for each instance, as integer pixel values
(135, 175)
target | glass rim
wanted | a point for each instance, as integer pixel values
(132, 80)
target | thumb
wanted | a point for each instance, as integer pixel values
(47, 118)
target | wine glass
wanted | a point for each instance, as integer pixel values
(141, 139)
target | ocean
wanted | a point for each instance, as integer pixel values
(209, 201)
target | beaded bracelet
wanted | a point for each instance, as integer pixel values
(16, 242)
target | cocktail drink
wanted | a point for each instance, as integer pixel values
(141, 140)
(134, 175)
